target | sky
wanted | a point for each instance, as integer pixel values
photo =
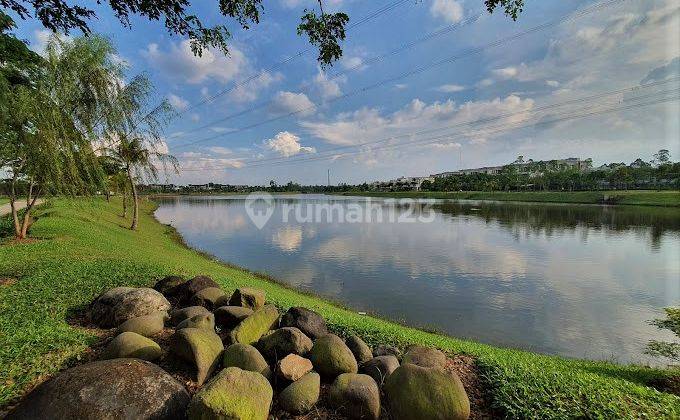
(424, 87)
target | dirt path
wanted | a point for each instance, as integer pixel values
(6, 208)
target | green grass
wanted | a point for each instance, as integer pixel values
(3, 200)
(83, 248)
(638, 198)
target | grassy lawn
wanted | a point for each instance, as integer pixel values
(3, 200)
(639, 198)
(84, 248)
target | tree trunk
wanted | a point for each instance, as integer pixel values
(125, 203)
(13, 205)
(135, 201)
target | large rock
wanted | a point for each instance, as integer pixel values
(284, 341)
(132, 345)
(146, 325)
(424, 357)
(380, 367)
(308, 321)
(233, 394)
(385, 350)
(416, 392)
(247, 297)
(108, 389)
(300, 396)
(119, 304)
(179, 315)
(168, 283)
(201, 348)
(210, 297)
(228, 317)
(331, 357)
(183, 292)
(293, 367)
(199, 321)
(253, 327)
(359, 348)
(356, 396)
(246, 357)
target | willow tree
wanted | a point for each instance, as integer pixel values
(51, 121)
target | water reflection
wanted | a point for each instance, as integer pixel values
(579, 281)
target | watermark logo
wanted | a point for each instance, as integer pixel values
(259, 207)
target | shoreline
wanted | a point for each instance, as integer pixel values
(84, 247)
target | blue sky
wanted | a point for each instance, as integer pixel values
(378, 133)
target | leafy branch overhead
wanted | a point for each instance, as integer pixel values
(326, 30)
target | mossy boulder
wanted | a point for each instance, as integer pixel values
(387, 350)
(248, 297)
(146, 325)
(166, 284)
(359, 349)
(246, 357)
(293, 367)
(132, 345)
(200, 348)
(416, 392)
(300, 396)
(228, 317)
(356, 396)
(283, 342)
(380, 367)
(179, 315)
(119, 304)
(183, 292)
(253, 327)
(233, 394)
(210, 297)
(424, 357)
(331, 357)
(306, 320)
(206, 321)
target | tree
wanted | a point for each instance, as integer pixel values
(324, 31)
(662, 157)
(662, 348)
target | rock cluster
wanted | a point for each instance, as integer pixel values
(241, 353)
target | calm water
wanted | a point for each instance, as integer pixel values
(573, 280)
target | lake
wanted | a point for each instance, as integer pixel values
(573, 280)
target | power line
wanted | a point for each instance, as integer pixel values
(421, 69)
(390, 6)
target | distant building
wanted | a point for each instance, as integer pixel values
(413, 183)
(530, 167)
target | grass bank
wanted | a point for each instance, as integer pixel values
(637, 198)
(83, 248)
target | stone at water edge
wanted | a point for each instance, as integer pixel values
(132, 345)
(206, 322)
(210, 297)
(356, 396)
(201, 348)
(283, 342)
(425, 357)
(246, 357)
(146, 325)
(228, 317)
(183, 292)
(119, 304)
(300, 396)
(331, 357)
(252, 328)
(359, 349)
(413, 392)
(248, 297)
(108, 389)
(233, 394)
(179, 315)
(385, 350)
(293, 367)
(380, 367)
(166, 284)
(308, 321)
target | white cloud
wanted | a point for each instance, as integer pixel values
(446, 146)
(448, 10)
(287, 102)
(506, 72)
(181, 64)
(248, 91)
(287, 144)
(400, 86)
(219, 150)
(177, 102)
(326, 87)
(450, 88)
(552, 83)
(353, 63)
(207, 164)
